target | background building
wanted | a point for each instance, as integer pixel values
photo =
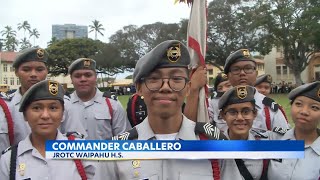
(8, 76)
(281, 73)
(69, 31)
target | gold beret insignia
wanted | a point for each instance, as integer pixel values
(53, 88)
(242, 92)
(40, 53)
(174, 53)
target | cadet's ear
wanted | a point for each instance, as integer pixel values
(139, 89)
(188, 88)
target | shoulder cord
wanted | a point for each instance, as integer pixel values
(110, 109)
(268, 120)
(214, 162)
(133, 109)
(7, 113)
(79, 164)
(13, 162)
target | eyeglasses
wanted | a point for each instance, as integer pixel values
(245, 113)
(176, 83)
(247, 69)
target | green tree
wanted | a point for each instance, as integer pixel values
(97, 28)
(294, 26)
(25, 26)
(108, 60)
(134, 42)
(129, 77)
(231, 26)
(25, 44)
(10, 42)
(63, 52)
(8, 32)
(35, 34)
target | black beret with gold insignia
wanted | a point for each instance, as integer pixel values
(263, 78)
(237, 94)
(43, 90)
(221, 77)
(240, 55)
(310, 90)
(82, 63)
(171, 53)
(30, 54)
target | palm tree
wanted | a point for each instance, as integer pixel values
(11, 44)
(25, 26)
(8, 32)
(35, 34)
(97, 28)
(25, 43)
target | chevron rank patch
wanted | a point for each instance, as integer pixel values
(279, 130)
(211, 131)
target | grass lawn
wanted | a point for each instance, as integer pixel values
(281, 99)
(124, 100)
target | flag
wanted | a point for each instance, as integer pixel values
(197, 40)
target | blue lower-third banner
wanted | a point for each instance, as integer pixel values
(152, 149)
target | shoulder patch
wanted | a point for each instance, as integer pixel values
(6, 150)
(270, 103)
(259, 133)
(211, 131)
(65, 97)
(75, 134)
(279, 130)
(129, 135)
(108, 94)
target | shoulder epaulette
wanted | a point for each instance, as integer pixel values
(110, 96)
(6, 150)
(75, 134)
(270, 103)
(65, 97)
(279, 130)
(129, 135)
(7, 98)
(211, 131)
(259, 133)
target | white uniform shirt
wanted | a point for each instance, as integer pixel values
(229, 169)
(40, 168)
(96, 118)
(277, 118)
(307, 168)
(164, 169)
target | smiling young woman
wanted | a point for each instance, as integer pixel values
(42, 106)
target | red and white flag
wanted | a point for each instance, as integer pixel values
(197, 41)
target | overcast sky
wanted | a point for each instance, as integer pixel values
(113, 14)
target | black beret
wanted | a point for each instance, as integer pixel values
(43, 90)
(237, 94)
(171, 53)
(263, 78)
(310, 90)
(82, 63)
(221, 77)
(30, 54)
(240, 55)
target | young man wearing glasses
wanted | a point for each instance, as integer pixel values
(241, 70)
(161, 76)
